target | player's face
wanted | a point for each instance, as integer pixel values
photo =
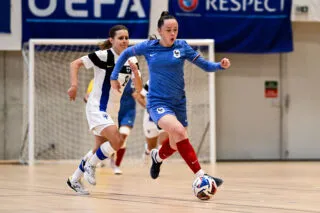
(168, 32)
(120, 41)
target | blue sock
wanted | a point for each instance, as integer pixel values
(100, 154)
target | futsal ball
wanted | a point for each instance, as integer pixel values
(204, 187)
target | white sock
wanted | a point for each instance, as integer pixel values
(77, 175)
(159, 160)
(107, 151)
(94, 160)
(200, 173)
(88, 155)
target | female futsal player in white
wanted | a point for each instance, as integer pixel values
(104, 102)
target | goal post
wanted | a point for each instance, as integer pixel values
(36, 96)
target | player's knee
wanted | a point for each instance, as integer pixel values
(179, 132)
(116, 142)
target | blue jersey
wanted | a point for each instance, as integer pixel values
(127, 112)
(165, 65)
(127, 99)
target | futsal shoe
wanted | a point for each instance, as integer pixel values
(77, 187)
(90, 173)
(155, 167)
(116, 169)
(218, 181)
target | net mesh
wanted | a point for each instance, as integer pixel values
(61, 129)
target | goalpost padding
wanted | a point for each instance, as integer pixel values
(57, 128)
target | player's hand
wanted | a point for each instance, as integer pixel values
(134, 68)
(72, 92)
(115, 84)
(135, 95)
(225, 63)
(138, 97)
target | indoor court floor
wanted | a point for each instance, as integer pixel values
(249, 187)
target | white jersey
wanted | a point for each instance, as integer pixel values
(103, 98)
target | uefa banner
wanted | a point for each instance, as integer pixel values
(243, 26)
(83, 18)
(5, 9)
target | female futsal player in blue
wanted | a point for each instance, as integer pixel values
(166, 97)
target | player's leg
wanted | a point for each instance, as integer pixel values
(106, 150)
(74, 181)
(181, 140)
(103, 125)
(126, 119)
(151, 143)
(116, 162)
(151, 133)
(163, 135)
(157, 114)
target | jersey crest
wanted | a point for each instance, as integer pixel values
(176, 53)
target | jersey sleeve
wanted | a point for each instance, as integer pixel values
(87, 62)
(138, 49)
(191, 54)
(94, 59)
(195, 58)
(206, 65)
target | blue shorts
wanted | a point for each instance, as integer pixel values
(160, 109)
(127, 117)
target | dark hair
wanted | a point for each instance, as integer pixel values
(152, 37)
(164, 15)
(112, 32)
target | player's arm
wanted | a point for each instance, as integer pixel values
(136, 76)
(138, 49)
(209, 66)
(74, 69)
(139, 98)
(115, 84)
(195, 58)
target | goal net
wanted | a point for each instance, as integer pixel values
(57, 129)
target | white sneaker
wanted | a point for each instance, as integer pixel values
(116, 169)
(90, 173)
(77, 187)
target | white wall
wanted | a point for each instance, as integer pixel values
(313, 14)
(13, 41)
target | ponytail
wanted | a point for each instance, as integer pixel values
(103, 45)
(152, 37)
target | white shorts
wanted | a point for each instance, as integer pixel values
(149, 127)
(98, 121)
